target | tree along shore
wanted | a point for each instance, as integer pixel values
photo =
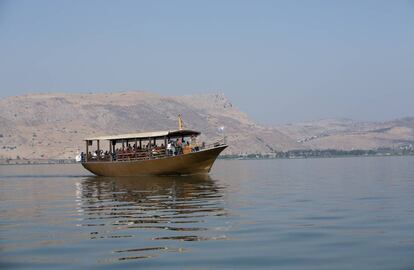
(328, 153)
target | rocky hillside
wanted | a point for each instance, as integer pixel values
(345, 134)
(53, 126)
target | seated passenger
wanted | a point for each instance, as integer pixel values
(194, 146)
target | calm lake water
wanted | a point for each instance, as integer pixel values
(344, 213)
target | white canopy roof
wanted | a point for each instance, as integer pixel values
(146, 135)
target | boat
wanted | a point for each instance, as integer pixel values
(172, 152)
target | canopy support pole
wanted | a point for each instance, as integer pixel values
(150, 148)
(87, 151)
(165, 145)
(110, 150)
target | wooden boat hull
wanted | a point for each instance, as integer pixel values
(191, 163)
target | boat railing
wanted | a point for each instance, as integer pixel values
(141, 154)
(104, 157)
(215, 144)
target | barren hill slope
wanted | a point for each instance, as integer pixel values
(345, 134)
(53, 125)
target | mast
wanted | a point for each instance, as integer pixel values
(180, 123)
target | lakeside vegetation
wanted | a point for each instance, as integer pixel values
(328, 153)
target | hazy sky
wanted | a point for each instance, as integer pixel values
(279, 61)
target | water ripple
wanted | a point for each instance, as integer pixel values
(135, 208)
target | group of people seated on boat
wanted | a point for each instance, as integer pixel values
(97, 155)
(174, 147)
(155, 149)
(182, 146)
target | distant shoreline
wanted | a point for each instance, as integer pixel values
(328, 153)
(310, 157)
(294, 154)
(36, 161)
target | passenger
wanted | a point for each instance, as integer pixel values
(175, 148)
(193, 144)
(186, 148)
(169, 148)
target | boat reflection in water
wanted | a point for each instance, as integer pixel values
(151, 215)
